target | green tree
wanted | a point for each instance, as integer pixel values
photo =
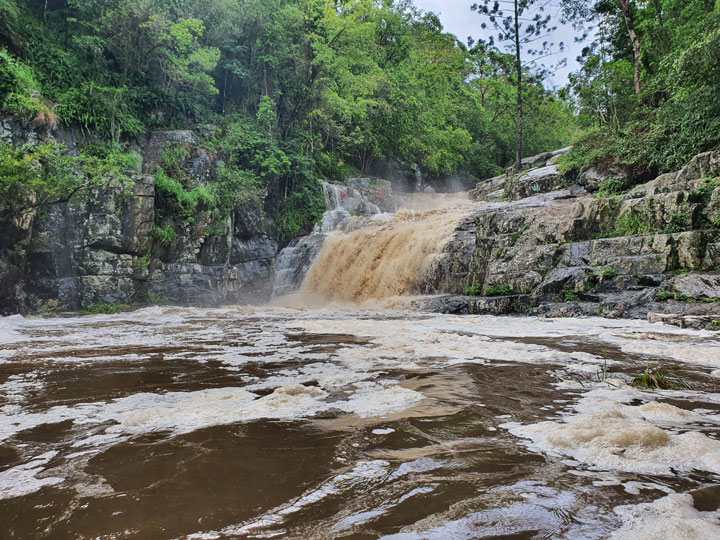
(523, 24)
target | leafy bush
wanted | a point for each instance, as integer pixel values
(609, 187)
(473, 290)
(22, 92)
(302, 209)
(165, 234)
(609, 272)
(679, 222)
(631, 223)
(32, 176)
(186, 200)
(107, 110)
(706, 189)
(568, 293)
(104, 308)
(498, 290)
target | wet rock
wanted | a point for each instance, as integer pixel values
(453, 304)
(697, 285)
(697, 322)
(613, 253)
(702, 165)
(591, 178)
(541, 180)
(488, 189)
(499, 305)
(294, 261)
(99, 247)
(558, 278)
(157, 141)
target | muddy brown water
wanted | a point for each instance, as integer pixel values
(277, 423)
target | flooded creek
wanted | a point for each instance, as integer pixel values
(245, 422)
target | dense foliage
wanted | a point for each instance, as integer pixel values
(335, 87)
(649, 89)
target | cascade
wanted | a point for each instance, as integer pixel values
(381, 259)
(343, 203)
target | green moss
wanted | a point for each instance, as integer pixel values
(514, 237)
(156, 297)
(663, 295)
(520, 306)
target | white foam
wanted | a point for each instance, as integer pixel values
(22, 479)
(371, 399)
(607, 434)
(399, 341)
(672, 516)
(182, 412)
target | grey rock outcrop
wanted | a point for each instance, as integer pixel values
(695, 286)
(565, 252)
(100, 246)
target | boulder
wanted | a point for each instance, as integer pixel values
(696, 286)
(541, 180)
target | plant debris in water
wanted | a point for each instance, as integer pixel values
(659, 378)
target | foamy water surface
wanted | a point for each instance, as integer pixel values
(246, 422)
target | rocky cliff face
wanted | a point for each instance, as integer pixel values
(538, 245)
(100, 248)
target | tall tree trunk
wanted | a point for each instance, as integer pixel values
(518, 67)
(625, 8)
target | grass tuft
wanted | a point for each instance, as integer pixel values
(658, 378)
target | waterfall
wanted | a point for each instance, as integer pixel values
(383, 259)
(344, 201)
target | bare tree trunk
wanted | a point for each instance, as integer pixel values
(625, 8)
(518, 67)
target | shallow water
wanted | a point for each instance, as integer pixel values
(272, 422)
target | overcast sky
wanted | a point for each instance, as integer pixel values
(457, 18)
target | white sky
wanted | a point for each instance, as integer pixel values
(457, 18)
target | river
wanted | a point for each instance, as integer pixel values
(271, 422)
